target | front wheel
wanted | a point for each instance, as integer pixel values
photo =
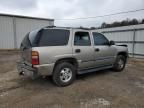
(64, 74)
(120, 63)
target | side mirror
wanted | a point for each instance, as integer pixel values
(112, 42)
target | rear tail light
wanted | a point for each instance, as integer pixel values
(35, 58)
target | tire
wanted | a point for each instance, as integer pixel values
(64, 74)
(120, 63)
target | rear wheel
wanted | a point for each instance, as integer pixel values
(64, 74)
(120, 63)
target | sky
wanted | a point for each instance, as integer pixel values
(69, 9)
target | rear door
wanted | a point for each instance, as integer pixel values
(83, 50)
(25, 49)
(104, 53)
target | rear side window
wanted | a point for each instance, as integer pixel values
(54, 37)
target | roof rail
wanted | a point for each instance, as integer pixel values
(49, 26)
(57, 27)
(84, 28)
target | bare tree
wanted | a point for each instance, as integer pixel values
(122, 23)
(143, 21)
(133, 22)
(103, 25)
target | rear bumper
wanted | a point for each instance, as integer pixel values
(35, 71)
(45, 69)
(27, 70)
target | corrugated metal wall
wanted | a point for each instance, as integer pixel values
(139, 45)
(6, 33)
(24, 26)
(13, 29)
(133, 36)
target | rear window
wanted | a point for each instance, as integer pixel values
(26, 42)
(32, 36)
(54, 37)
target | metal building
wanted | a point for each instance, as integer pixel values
(13, 28)
(133, 36)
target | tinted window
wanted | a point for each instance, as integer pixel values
(100, 39)
(82, 39)
(54, 37)
(32, 37)
(26, 42)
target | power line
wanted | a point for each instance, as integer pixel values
(124, 12)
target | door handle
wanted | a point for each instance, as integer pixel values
(77, 50)
(97, 49)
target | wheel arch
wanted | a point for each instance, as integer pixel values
(70, 60)
(125, 54)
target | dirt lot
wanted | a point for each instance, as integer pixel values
(103, 89)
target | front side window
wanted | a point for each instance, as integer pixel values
(100, 39)
(82, 39)
(54, 37)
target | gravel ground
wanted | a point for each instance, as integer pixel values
(102, 89)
